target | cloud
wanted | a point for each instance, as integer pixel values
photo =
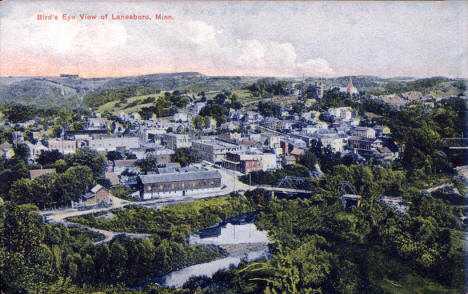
(315, 67)
(243, 38)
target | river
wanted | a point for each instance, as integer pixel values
(238, 237)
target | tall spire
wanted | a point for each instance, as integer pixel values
(350, 85)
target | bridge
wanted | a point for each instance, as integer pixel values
(458, 143)
(283, 190)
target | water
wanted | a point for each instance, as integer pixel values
(178, 278)
(238, 230)
(238, 234)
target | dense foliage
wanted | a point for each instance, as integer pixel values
(75, 174)
(17, 113)
(267, 88)
(184, 156)
(33, 256)
(320, 248)
(269, 109)
(173, 220)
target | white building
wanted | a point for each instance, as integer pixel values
(213, 150)
(107, 144)
(364, 132)
(342, 113)
(63, 146)
(175, 141)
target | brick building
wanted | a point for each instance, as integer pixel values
(98, 194)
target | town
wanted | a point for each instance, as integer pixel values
(237, 142)
(203, 179)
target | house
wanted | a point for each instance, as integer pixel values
(382, 131)
(289, 160)
(6, 150)
(34, 173)
(112, 177)
(180, 117)
(386, 154)
(97, 195)
(342, 113)
(178, 183)
(297, 152)
(96, 123)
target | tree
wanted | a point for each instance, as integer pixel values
(184, 156)
(90, 158)
(147, 164)
(269, 109)
(49, 157)
(21, 229)
(114, 155)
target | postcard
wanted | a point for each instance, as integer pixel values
(233, 146)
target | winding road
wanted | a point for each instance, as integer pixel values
(230, 182)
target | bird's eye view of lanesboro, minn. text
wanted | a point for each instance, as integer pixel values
(233, 147)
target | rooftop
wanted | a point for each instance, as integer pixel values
(178, 177)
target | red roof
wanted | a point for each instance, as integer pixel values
(297, 151)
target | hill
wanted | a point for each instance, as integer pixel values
(72, 91)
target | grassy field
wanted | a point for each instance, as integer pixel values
(117, 106)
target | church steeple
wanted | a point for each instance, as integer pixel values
(350, 85)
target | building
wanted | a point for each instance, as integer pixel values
(6, 151)
(97, 195)
(63, 146)
(360, 143)
(34, 173)
(243, 162)
(382, 131)
(180, 117)
(178, 183)
(112, 177)
(213, 150)
(343, 113)
(289, 160)
(162, 155)
(35, 149)
(175, 141)
(364, 132)
(106, 144)
(96, 123)
(119, 166)
(350, 89)
(152, 134)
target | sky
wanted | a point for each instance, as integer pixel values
(285, 39)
